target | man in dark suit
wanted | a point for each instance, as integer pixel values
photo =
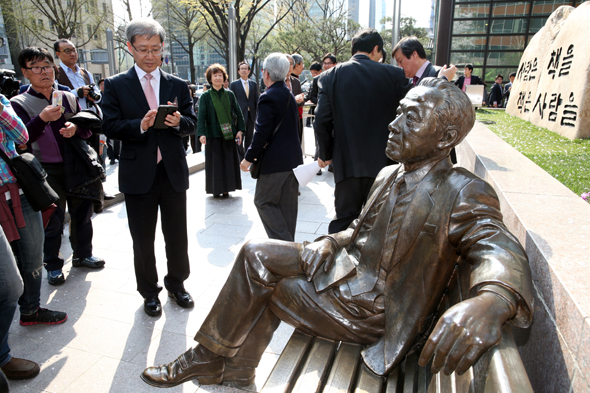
(495, 98)
(357, 101)
(246, 92)
(423, 217)
(153, 172)
(411, 56)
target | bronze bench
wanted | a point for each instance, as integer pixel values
(312, 364)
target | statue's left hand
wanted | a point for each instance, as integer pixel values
(464, 332)
(314, 254)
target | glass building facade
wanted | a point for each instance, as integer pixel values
(492, 35)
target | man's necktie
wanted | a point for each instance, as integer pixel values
(150, 96)
(247, 88)
(415, 80)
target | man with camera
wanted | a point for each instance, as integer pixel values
(81, 83)
(76, 78)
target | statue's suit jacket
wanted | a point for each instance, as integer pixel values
(453, 214)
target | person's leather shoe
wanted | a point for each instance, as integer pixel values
(187, 367)
(20, 369)
(91, 262)
(152, 306)
(183, 299)
(109, 197)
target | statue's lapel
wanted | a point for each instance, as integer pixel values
(419, 210)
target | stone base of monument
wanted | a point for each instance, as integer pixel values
(311, 364)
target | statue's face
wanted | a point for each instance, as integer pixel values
(414, 134)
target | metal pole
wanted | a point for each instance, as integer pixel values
(170, 38)
(397, 7)
(111, 53)
(435, 29)
(232, 63)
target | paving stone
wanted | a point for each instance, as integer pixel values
(108, 340)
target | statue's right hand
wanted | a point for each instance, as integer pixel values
(314, 254)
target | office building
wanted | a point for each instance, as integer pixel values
(491, 35)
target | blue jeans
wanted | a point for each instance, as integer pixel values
(28, 251)
(11, 287)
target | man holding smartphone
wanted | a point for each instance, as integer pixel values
(153, 173)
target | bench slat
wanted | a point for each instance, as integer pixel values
(316, 367)
(393, 381)
(411, 374)
(343, 371)
(282, 376)
(367, 381)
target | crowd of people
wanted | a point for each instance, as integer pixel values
(239, 128)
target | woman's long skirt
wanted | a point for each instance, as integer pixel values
(222, 166)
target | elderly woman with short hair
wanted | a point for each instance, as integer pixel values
(277, 188)
(219, 133)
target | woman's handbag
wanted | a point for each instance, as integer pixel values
(32, 179)
(255, 166)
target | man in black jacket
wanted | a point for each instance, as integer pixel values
(153, 173)
(357, 100)
(495, 98)
(411, 56)
(277, 126)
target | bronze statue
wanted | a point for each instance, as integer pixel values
(379, 282)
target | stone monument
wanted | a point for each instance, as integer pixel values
(551, 88)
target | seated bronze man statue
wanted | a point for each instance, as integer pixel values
(379, 282)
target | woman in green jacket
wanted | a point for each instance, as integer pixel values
(220, 118)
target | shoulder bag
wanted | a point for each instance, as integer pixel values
(32, 179)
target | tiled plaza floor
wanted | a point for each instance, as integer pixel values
(108, 339)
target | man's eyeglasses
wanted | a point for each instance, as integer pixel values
(327, 63)
(68, 51)
(38, 70)
(145, 51)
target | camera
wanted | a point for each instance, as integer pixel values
(92, 93)
(8, 83)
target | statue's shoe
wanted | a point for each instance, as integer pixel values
(187, 367)
(240, 377)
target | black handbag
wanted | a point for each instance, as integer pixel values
(32, 179)
(255, 166)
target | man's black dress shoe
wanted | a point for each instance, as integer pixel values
(152, 306)
(183, 299)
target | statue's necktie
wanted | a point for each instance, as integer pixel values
(368, 269)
